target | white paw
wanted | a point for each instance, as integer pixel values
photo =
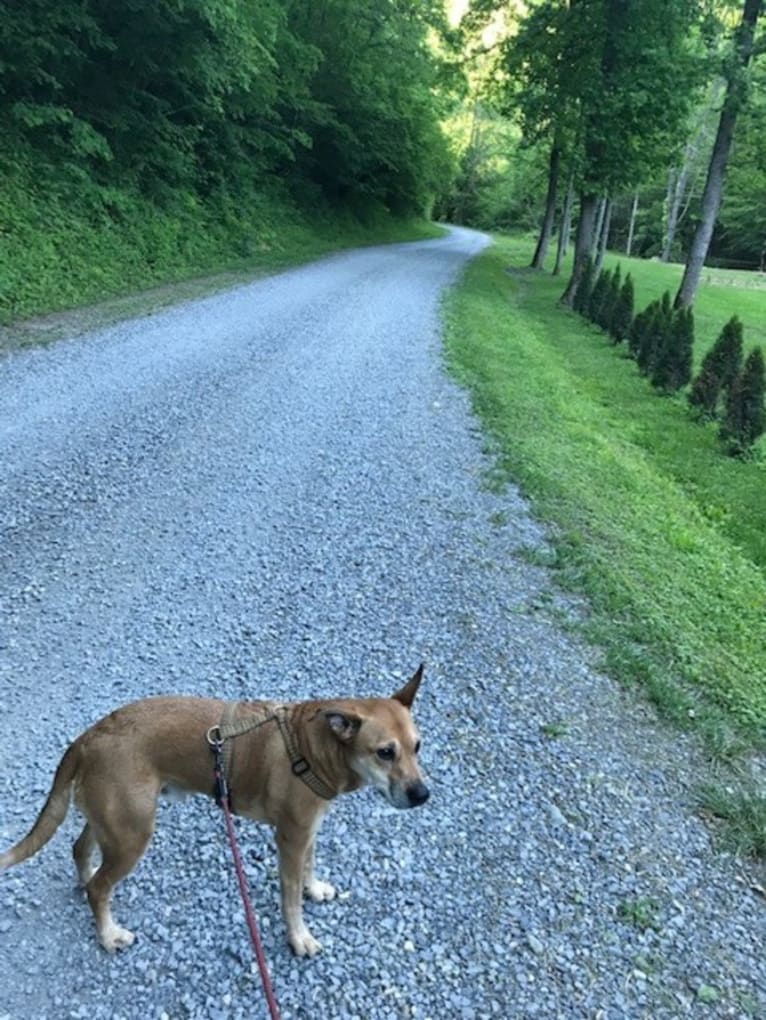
(114, 938)
(303, 943)
(319, 892)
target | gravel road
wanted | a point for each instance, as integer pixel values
(277, 491)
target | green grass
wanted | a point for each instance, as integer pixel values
(744, 815)
(663, 533)
(68, 246)
(722, 293)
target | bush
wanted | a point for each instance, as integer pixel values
(672, 366)
(719, 369)
(655, 335)
(638, 329)
(611, 297)
(598, 296)
(622, 316)
(744, 419)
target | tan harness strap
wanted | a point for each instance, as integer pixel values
(230, 728)
(300, 767)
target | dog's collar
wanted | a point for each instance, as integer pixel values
(229, 728)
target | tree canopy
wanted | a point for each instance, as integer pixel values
(340, 97)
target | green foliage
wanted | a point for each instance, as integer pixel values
(638, 329)
(672, 366)
(63, 249)
(611, 297)
(340, 99)
(655, 335)
(622, 317)
(720, 366)
(744, 811)
(743, 422)
(585, 288)
(599, 295)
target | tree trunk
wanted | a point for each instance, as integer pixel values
(677, 182)
(632, 224)
(603, 236)
(583, 245)
(711, 196)
(600, 212)
(565, 227)
(550, 208)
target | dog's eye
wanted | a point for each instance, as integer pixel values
(385, 753)
(417, 748)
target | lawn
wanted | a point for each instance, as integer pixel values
(662, 532)
(722, 293)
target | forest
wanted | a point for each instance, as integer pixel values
(163, 137)
(184, 133)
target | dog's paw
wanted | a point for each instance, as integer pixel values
(303, 943)
(320, 891)
(114, 938)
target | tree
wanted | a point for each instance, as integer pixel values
(530, 81)
(744, 419)
(720, 367)
(742, 218)
(582, 298)
(711, 197)
(633, 89)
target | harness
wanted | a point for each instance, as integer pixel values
(222, 736)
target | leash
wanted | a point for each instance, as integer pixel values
(222, 798)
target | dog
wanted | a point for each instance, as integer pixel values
(289, 762)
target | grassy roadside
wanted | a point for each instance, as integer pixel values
(75, 248)
(677, 597)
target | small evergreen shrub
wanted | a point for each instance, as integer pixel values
(611, 297)
(744, 419)
(638, 329)
(720, 367)
(655, 335)
(622, 316)
(672, 367)
(597, 296)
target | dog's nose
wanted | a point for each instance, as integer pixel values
(417, 793)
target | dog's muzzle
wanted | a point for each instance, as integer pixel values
(417, 794)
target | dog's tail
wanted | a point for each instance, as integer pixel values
(52, 815)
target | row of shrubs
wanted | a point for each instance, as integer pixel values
(661, 341)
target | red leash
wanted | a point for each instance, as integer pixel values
(222, 797)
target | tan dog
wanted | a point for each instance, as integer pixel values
(284, 772)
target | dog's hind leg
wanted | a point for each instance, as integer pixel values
(122, 828)
(82, 851)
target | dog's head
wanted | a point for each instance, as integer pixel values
(383, 744)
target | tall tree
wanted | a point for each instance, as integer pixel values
(736, 91)
(636, 94)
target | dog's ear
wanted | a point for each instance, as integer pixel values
(345, 725)
(407, 694)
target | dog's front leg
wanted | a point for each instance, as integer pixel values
(316, 890)
(294, 844)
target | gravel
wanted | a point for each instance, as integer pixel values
(278, 491)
